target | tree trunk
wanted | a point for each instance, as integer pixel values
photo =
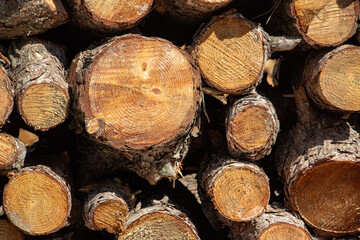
(251, 127)
(332, 78)
(108, 205)
(12, 153)
(139, 96)
(189, 12)
(109, 16)
(26, 18)
(319, 161)
(239, 191)
(231, 52)
(276, 223)
(37, 70)
(9, 231)
(6, 96)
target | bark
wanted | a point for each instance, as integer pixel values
(332, 78)
(251, 127)
(12, 153)
(30, 17)
(109, 16)
(108, 205)
(135, 114)
(6, 96)
(9, 231)
(37, 70)
(240, 48)
(276, 223)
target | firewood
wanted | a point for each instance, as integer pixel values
(332, 78)
(26, 18)
(276, 223)
(6, 96)
(139, 96)
(109, 16)
(37, 70)
(12, 152)
(251, 127)
(108, 205)
(9, 231)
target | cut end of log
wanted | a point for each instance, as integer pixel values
(6, 97)
(284, 231)
(10, 151)
(326, 23)
(240, 192)
(44, 106)
(231, 54)
(327, 197)
(37, 201)
(9, 231)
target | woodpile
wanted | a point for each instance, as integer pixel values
(179, 119)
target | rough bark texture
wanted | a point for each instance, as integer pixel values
(276, 223)
(240, 48)
(109, 16)
(156, 145)
(6, 96)
(9, 231)
(29, 17)
(108, 205)
(12, 153)
(332, 78)
(37, 70)
(252, 127)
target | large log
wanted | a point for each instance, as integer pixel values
(109, 16)
(140, 97)
(12, 153)
(332, 78)
(251, 127)
(9, 231)
(37, 70)
(30, 17)
(6, 96)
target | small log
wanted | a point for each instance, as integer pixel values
(140, 97)
(109, 16)
(37, 70)
(159, 222)
(276, 223)
(231, 53)
(6, 96)
(26, 18)
(108, 205)
(189, 12)
(31, 197)
(332, 78)
(9, 231)
(238, 190)
(251, 127)
(12, 153)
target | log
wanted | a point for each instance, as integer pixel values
(319, 163)
(160, 221)
(12, 153)
(140, 97)
(37, 70)
(251, 127)
(6, 96)
(276, 223)
(189, 12)
(9, 231)
(109, 16)
(31, 196)
(332, 78)
(239, 191)
(26, 18)
(108, 205)
(231, 52)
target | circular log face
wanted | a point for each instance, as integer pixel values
(142, 92)
(36, 202)
(158, 226)
(241, 193)
(9, 231)
(327, 197)
(44, 106)
(326, 23)
(230, 54)
(118, 11)
(8, 150)
(6, 97)
(338, 83)
(284, 231)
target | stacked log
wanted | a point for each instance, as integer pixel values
(6, 96)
